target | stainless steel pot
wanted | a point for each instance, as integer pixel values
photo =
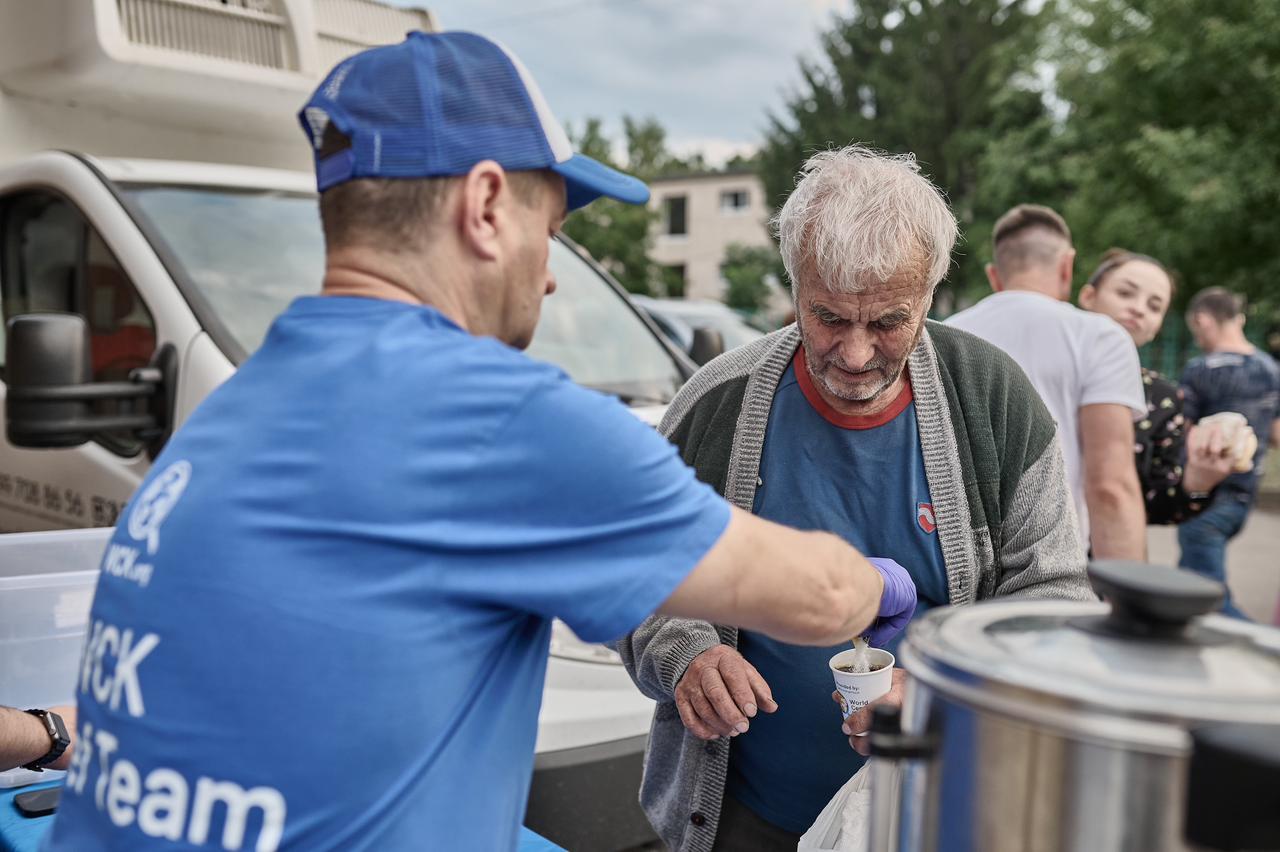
(1054, 726)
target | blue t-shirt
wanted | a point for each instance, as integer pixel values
(1229, 381)
(863, 479)
(323, 621)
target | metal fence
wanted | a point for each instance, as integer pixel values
(1174, 347)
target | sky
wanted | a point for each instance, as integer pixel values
(708, 70)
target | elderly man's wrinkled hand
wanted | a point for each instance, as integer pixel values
(860, 722)
(897, 601)
(719, 693)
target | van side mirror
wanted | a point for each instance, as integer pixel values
(707, 344)
(50, 387)
(44, 350)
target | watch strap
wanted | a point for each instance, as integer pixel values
(59, 739)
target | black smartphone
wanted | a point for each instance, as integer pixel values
(37, 803)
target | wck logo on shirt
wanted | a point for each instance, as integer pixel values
(146, 514)
(924, 516)
(155, 503)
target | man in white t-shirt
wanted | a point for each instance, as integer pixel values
(1083, 364)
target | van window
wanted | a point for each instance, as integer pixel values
(588, 330)
(249, 253)
(51, 259)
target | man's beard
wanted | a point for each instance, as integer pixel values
(889, 373)
(862, 393)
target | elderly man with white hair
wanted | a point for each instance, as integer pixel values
(914, 441)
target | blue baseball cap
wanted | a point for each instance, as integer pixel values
(438, 103)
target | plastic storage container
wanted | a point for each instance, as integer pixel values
(46, 587)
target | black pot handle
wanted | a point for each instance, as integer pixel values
(1152, 601)
(1233, 787)
(887, 739)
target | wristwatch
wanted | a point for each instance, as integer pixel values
(58, 736)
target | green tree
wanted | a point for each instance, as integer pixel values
(751, 272)
(1172, 143)
(937, 79)
(619, 235)
(616, 234)
(647, 153)
(1166, 141)
(741, 162)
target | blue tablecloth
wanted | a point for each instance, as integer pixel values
(20, 833)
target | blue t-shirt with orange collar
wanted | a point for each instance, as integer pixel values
(863, 479)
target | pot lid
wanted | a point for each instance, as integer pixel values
(1151, 651)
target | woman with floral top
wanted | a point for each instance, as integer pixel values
(1135, 290)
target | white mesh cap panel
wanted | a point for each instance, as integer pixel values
(557, 139)
(317, 120)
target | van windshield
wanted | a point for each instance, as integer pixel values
(250, 253)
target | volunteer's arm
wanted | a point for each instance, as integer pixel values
(1274, 438)
(23, 737)
(1117, 516)
(801, 587)
(807, 588)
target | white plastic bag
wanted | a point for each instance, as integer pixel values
(845, 823)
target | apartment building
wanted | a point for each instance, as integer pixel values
(700, 216)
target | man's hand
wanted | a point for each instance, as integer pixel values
(860, 722)
(24, 738)
(1209, 458)
(719, 692)
(897, 601)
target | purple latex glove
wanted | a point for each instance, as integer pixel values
(897, 602)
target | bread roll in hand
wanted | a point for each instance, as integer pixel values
(1238, 438)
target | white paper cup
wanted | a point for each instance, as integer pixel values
(859, 690)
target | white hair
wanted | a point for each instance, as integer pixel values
(859, 216)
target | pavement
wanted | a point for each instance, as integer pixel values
(1253, 561)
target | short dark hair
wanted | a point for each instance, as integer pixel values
(1218, 302)
(391, 213)
(382, 213)
(1013, 250)
(1118, 257)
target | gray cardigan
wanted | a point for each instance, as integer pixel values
(995, 472)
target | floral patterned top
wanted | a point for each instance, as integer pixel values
(1159, 442)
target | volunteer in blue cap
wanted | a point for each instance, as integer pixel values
(358, 542)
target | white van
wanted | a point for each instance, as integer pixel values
(167, 273)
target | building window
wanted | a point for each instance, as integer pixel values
(734, 201)
(676, 221)
(673, 280)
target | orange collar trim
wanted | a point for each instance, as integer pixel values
(849, 421)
